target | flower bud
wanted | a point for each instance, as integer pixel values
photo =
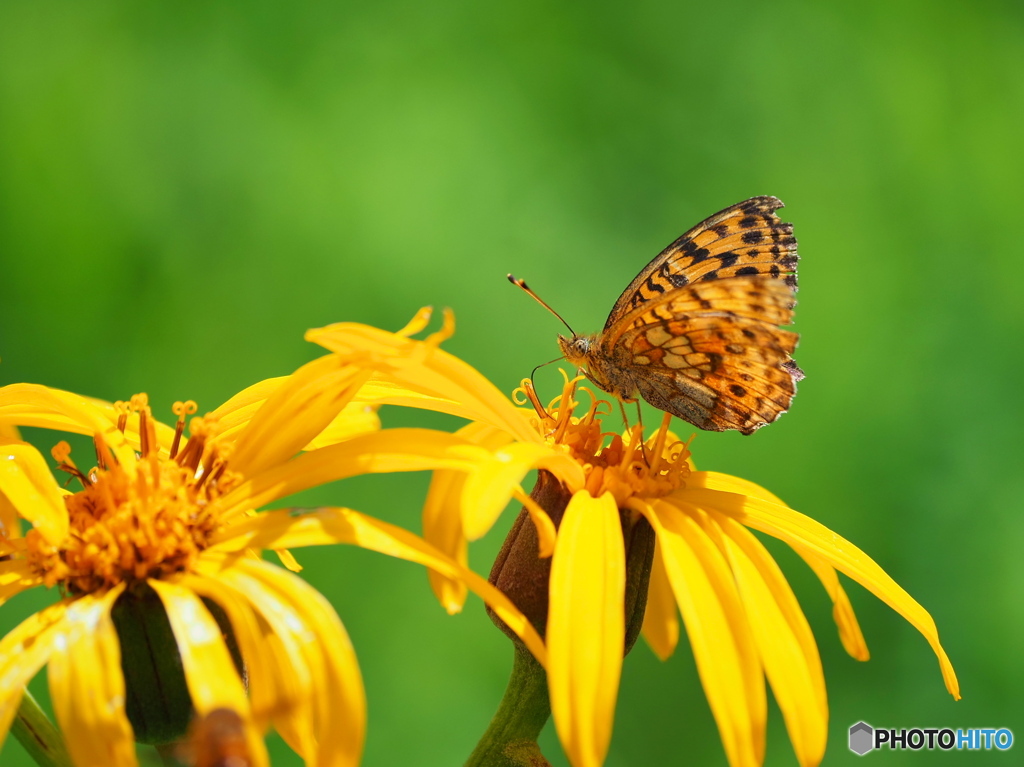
(523, 576)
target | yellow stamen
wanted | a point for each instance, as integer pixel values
(61, 453)
(121, 408)
(624, 465)
(144, 443)
(148, 520)
(104, 458)
(181, 409)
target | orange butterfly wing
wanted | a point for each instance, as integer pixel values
(744, 239)
(697, 332)
(712, 353)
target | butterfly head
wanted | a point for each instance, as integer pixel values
(576, 350)
(579, 351)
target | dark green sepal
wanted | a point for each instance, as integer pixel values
(157, 701)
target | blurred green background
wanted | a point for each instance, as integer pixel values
(186, 187)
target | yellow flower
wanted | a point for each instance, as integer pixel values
(742, 618)
(174, 520)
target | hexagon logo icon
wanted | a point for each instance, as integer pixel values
(862, 738)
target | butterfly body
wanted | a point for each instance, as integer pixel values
(697, 333)
(608, 369)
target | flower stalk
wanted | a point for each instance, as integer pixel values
(511, 737)
(38, 735)
(524, 576)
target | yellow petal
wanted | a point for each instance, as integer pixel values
(354, 419)
(87, 685)
(16, 575)
(661, 618)
(237, 411)
(799, 530)
(35, 405)
(210, 673)
(267, 695)
(295, 413)
(341, 725)
(425, 368)
(26, 481)
(542, 523)
(381, 452)
(327, 526)
(490, 486)
(24, 651)
(842, 610)
(783, 636)
(442, 527)
(288, 560)
(442, 515)
(10, 527)
(586, 626)
(286, 644)
(357, 417)
(723, 649)
(385, 391)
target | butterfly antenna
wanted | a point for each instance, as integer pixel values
(522, 284)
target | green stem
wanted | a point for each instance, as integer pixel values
(38, 735)
(511, 737)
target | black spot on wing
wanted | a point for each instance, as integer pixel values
(728, 259)
(653, 286)
(677, 280)
(696, 254)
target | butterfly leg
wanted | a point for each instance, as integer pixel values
(640, 420)
(622, 409)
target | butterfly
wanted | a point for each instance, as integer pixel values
(697, 333)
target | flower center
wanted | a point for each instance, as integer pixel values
(624, 465)
(146, 520)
